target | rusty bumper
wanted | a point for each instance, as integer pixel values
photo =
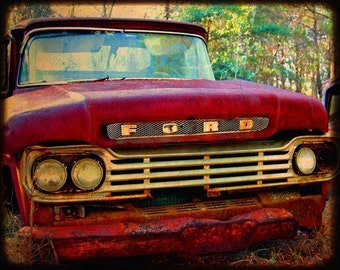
(184, 234)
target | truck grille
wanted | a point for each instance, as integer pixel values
(168, 175)
(216, 168)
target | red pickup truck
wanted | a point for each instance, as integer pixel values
(118, 141)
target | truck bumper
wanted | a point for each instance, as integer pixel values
(183, 234)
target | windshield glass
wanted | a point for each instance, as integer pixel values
(67, 56)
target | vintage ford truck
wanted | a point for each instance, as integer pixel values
(118, 141)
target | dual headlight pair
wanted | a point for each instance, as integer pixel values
(50, 175)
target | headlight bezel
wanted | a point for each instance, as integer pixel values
(68, 162)
(323, 158)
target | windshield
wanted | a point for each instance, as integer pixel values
(66, 56)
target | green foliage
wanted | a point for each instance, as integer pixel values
(270, 28)
(282, 45)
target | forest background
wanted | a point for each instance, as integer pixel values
(284, 45)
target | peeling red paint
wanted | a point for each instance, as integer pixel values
(197, 236)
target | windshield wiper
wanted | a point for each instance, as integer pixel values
(101, 79)
(106, 78)
(44, 82)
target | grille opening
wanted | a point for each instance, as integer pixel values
(233, 165)
(127, 194)
(176, 169)
(127, 161)
(178, 196)
(234, 155)
(175, 158)
(274, 162)
(126, 172)
(277, 153)
(130, 182)
(177, 178)
(174, 196)
(274, 172)
(228, 175)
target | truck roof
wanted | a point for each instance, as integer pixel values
(111, 23)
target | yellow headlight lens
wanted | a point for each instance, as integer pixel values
(87, 174)
(305, 160)
(50, 175)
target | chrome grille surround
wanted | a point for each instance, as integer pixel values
(135, 173)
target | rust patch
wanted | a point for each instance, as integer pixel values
(307, 210)
(190, 235)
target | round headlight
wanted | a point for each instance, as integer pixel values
(50, 175)
(87, 174)
(305, 160)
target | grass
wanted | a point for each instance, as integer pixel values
(22, 251)
(306, 249)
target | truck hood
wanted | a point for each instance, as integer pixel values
(153, 112)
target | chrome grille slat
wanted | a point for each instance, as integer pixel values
(224, 168)
(193, 173)
(200, 162)
(248, 180)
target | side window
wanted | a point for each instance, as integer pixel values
(334, 109)
(4, 69)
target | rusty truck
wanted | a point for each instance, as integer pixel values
(118, 141)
